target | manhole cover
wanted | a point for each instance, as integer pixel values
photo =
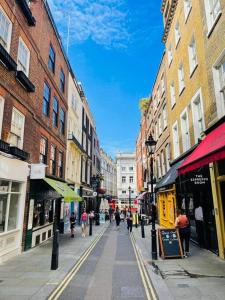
(128, 292)
(183, 285)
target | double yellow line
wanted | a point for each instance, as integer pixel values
(149, 289)
(61, 287)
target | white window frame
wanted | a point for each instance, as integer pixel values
(187, 8)
(162, 85)
(6, 44)
(123, 179)
(192, 53)
(181, 78)
(163, 163)
(20, 65)
(164, 114)
(2, 102)
(168, 156)
(219, 85)
(197, 131)
(172, 94)
(160, 124)
(177, 33)
(170, 54)
(156, 131)
(185, 131)
(16, 111)
(211, 20)
(158, 95)
(176, 144)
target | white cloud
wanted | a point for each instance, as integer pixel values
(103, 21)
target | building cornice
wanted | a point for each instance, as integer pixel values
(169, 18)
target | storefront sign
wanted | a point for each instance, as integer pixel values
(199, 179)
(31, 211)
(37, 171)
(169, 242)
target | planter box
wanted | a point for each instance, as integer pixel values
(7, 59)
(25, 81)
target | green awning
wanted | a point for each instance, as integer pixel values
(64, 190)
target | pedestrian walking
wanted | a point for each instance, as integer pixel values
(84, 219)
(72, 224)
(129, 220)
(117, 218)
(183, 225)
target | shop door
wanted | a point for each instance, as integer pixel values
(222, 187)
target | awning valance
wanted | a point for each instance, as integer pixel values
(63, 189)
(170, 176)
(212, 148)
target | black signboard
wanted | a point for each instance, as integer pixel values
(169, 243)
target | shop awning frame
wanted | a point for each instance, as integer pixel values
(63, 189)
(211, 149)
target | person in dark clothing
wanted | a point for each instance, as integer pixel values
(129, 220)
(117, 217)
(72, 224)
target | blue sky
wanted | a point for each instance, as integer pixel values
(114, 48)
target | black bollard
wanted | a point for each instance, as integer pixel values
(90, 226)
(55, 251)
(142, 228)
(136, 219)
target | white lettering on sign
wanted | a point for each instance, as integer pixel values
(199, 179)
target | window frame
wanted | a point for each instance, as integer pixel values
(62, 121)
(45, 100)
(197, 133)
(193, 58)
(187, 9)
(172, 95)
(21, 141)
(20, 65)
(2, 104)
(52, 162)
(60, 164)
(181, 78)
(62, 81)
(45, 156)
(177, 33)
(176, 146)
(186, 143)
(55, 113)
(208, 11)
(51, 60)
(9, 35)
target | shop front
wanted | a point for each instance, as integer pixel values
(13, 182)
(49, 199)
(166, 197)
(209, 158)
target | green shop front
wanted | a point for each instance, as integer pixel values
(47, 201)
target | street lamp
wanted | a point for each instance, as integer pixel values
(129, 190)
(151, 144)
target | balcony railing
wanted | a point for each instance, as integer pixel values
(7, 59)
(4, 147)
(19, 153)
(27, 12)
(25, 81)
(72, 138)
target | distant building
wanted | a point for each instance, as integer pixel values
(126, 177)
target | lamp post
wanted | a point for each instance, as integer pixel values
(129, 190)
(151, 144)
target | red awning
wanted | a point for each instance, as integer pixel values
(212, 148)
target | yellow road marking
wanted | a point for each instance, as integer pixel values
(59, 290)
(149, 289)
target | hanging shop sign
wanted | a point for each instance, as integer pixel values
(37, 171)
(199, 179)
(169, 243)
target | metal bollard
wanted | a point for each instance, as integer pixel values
(142, 228)
(55, 251)
(90, 226)
(136, 221)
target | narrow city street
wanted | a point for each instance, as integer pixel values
(110, 272)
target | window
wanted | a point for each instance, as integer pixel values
(156, 131)
(1, 113)
(131, 179)
(9, 205)
(159, 167)
(172, 95)
(170, 55)
(62, 81)
(176, 146)
(213, 9)
(123, 179)
(187, 8)
(23, 59)
(123, 168)
(160, 124)
(124, 192)
(43, 150)
(52, 164)
(17, 129)
(185, 130)
(55, 114)
(219, 84)
(164, 115)
(51, 59)
(167, 150)
(181, 78)
(197, 112)
(192, 55)
(89, 147)
(177, 33)
(158, 96)
(131, 169)
(62, 121)
(83, 170)
(84, 141)
(162, 84)
(5, 30)
(60, 165)
(74, 103)
(163, 164)
(46, 99)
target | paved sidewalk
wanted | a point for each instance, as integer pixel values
(200, 276)
(28, 276)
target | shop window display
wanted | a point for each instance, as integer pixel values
(9, 205)
(43, 212)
